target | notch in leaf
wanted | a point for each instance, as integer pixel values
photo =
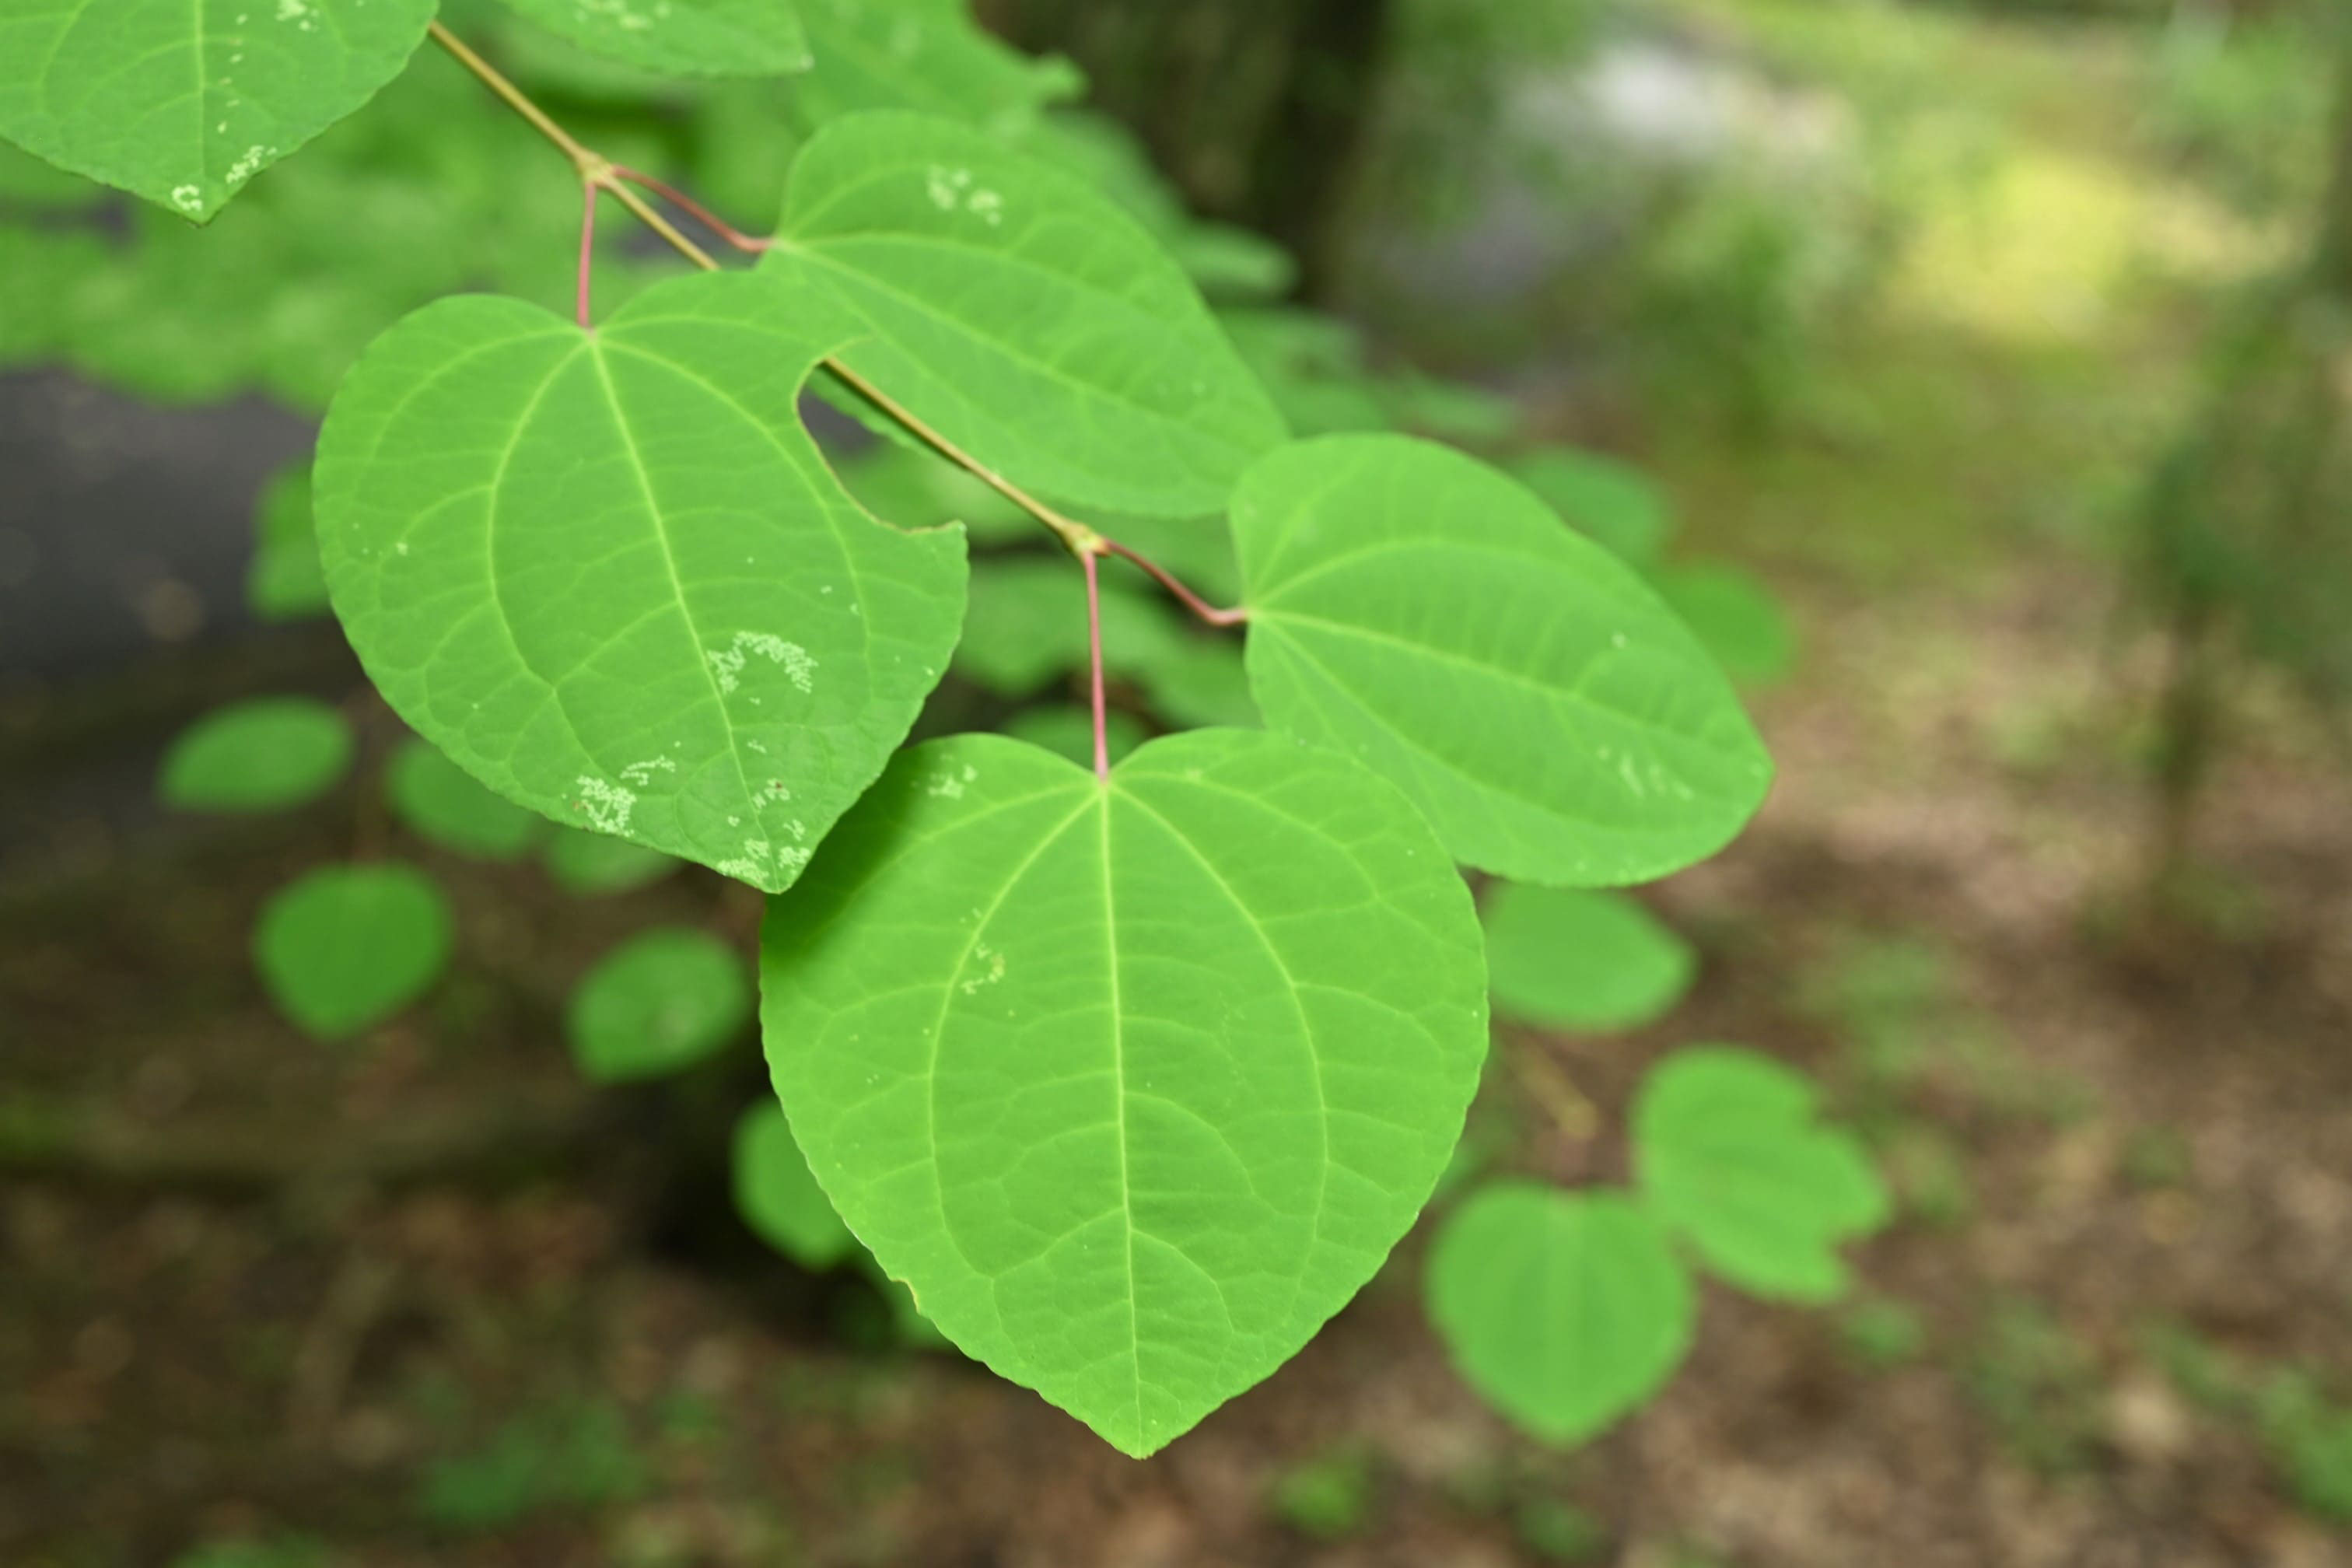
(610, 576)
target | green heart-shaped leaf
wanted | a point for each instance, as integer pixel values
(1021, 315)
(440, 802)
(184, 103)
(1729, 1154)
(610, 576)
(346, 946)
(1418, 610)
(925, 55)
(1565, 1310)
(681, 37)
(1135, 1082)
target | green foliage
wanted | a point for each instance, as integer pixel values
(2310, 1440)
(1735, 616)
(1418, 611)
(662, 1000)
(778, 1196)
(264, 754)
(1038, 1110)
(285, 582)
(1730, 1156)
(1132, 1080)
(441, 803)
(555, 1460)
(1883, 1335)
(182, 105)
(273, 1552)
(1559, 1531)
(711, 648)
(694, 38)
(2037, 1383)
(344, 947)
(592, 863)
(1564, 1310)
(1329, 1499)
(1612, 504)
(1571, 959)
(1091, 371)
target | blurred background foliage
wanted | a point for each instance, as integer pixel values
(1974, 373)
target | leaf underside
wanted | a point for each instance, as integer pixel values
(184, 103)
(1415, 608)
(610, 576)
(1134, 1084)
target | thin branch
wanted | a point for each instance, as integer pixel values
(1192, 602)
(1086, 559)
(1552, 1088)
(600, 172)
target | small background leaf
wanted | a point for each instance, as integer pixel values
(347, 946)
(284, 580)
(662, 1000)
(1069, 731)
(779, 1198)
(266, 755)
(592, 863)
(1736, 616)
(687, 38)
(1564, 1310)
(1728, 1154)
(442, 804)
(1614, 505)
(1569, 958)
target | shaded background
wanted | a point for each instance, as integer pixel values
(2005, 341)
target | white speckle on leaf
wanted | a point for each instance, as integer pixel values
(989, 205)
(727, 663)
(245, 167)
(642, 773)
(994, 972)
(608, 805)
(187, 198)
(400, 547)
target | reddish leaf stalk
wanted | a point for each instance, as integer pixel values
(693, 209)
(1094, 650)
(587, 244)
(1191, 601)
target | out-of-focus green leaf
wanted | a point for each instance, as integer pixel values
(924, 55)
(266, 755)
(1068, 731)
(779, 1198)
(1728, 1154)
(1564, 1310)
(284, 581)
(1569, 957)
(442, 804)
(662, 1000)
(1742, 625)
(344, 947)
(1611, 503)
(594, 863)
(687, 38)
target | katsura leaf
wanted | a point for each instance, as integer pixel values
(662, 1000)
(1022, 316)
(1134, 1083)
(1418, 610)
(284, 580)
(347, 946)
(1449, 411)
(184, 103)
(1728, 1154)
(682, 37)
(1564, 1310)
(924, 55)
(266, 755)
(1614, 506)
(1569, 958)
(590, 863)
(1736, 616)
(610, 576)
(441, 803)
(780, 1199)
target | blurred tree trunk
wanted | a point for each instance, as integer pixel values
(1256, 109)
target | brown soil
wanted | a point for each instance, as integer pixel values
(425, 1300)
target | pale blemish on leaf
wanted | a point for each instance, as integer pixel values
(606, 805)
(727, 663)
